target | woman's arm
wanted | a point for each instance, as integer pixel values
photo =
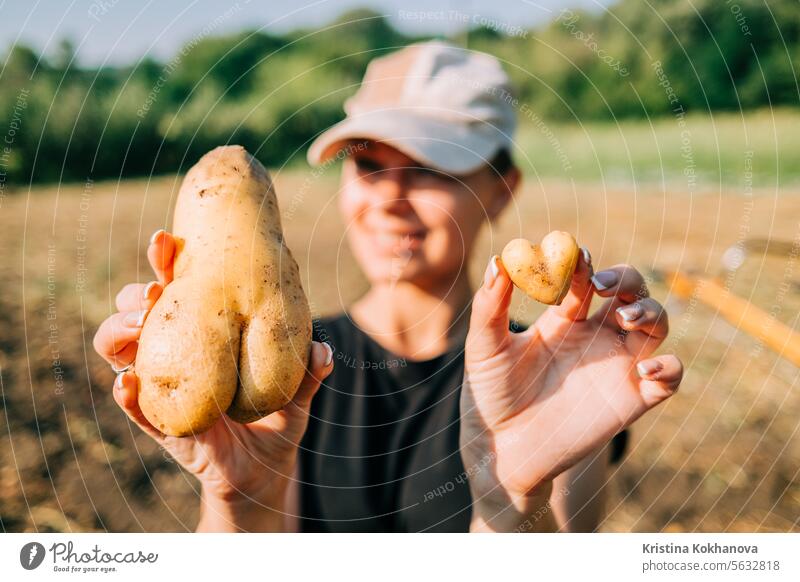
(497, 512)
(291, 521)
(537, 403)
(575, 504)
(579, 494)
(247, 515)
(233, 516)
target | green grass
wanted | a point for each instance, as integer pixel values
(721, 149)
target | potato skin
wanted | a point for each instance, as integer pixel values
(232, 332)
(542, 271)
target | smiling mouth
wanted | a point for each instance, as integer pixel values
(398, 242)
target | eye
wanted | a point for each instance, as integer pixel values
(367, 165)
(425, 173)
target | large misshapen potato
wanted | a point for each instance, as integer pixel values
(232, 332)
(543, 271)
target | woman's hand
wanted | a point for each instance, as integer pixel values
(535, 403)
(244, 470)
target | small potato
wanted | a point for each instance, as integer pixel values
(542, 271)
(232, 332)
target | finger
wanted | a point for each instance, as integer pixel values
(126, 395)
(488, 327)
(646, 316)
(161, 254)
(660, 378)
(319, 367)
(576, 304)
(116, 334)
(138, 296)
(126, 356)
(621, 282)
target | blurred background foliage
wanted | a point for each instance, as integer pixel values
(274, 93)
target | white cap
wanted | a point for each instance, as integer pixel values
(446, 107)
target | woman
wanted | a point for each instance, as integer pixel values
(435, 416)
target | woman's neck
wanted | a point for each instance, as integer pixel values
(413, 322)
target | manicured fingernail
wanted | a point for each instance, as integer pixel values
(155, 235)
(587, 257)
(492, 271)
(604, 280)
(328, 353)
(135, 318)
(148, 289)
(631, 312)
(648, 367)
(493, 266)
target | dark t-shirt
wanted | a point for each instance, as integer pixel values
(381, 450)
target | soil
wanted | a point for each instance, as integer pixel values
(722, 455)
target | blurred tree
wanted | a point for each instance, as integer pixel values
(274, 93)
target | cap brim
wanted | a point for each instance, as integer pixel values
(455, 148)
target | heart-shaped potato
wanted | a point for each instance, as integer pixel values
(543, 271)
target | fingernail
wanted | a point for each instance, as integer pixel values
(147, 289)
(631, 312)
(587, 257)
(135, 318)
(155, 235)
(493, 266)
(604, 280)
(492, 271)
(648, 367)
(328, 354)
(118, 381)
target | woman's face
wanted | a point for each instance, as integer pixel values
(406, 222)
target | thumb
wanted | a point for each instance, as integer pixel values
(320, 366)
(488, 327)
(576, 304)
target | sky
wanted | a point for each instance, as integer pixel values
(123, 31)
